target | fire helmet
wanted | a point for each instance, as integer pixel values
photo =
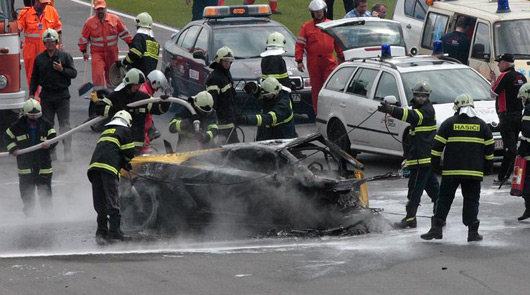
(121, 118)
(463, 100)
(524, 91)
(157, 80)
(144, 20)
(421, 87)
(317, 5)
(276, 39)
(50, 35)
(32, 108)
(224, 53)
(134, 76)
(271, 86)
(203, 101)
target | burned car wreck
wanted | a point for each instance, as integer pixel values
(280, 185)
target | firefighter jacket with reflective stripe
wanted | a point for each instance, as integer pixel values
(221, 86)
(183, 124)
(118, 101)
(276, 118)
(422, 130)
(17, 137)
(103, 35)
(33, 25)
(466, 144)
(274, 66)
(54, 83)
(143, 53)
(524, 146)
(115, 148)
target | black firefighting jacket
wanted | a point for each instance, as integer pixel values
(524, 146)
(143, 53)
(183, 124)
(17, 137)
(115, 148)
(422, 120)
(274, 66)
(221, 86)
(468, 146)
(276, 118)
(118, 101)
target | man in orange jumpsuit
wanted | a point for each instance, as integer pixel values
(102, 31)
(33, 21)
(319, 48)
(272, 3)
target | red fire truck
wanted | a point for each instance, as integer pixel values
(11, 96)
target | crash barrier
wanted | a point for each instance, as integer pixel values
(101, 118)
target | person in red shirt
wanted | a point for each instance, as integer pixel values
(102, 31)
(319, 48)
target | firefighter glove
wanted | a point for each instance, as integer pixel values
(250, 88)
(241, 120)
(385, 108)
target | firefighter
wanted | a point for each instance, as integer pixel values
(524, 146)
(155, 81)
(467, 146)
(221, 86)
(272, 3)
(183, 123)
(144, 49)
(114, 150)
(319, 47)
(102, 32)
(509, 108)
(34, 168)
(272, 62)
(53, 71)
(34, 21)
(276, 118)
(129, 93)
(422, 130)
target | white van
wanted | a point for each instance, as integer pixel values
(411, 13)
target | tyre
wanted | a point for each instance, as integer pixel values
(337, 134)
(139, 204)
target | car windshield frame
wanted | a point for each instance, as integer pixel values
(254, 38)
(512, 36)
(368, 34)
(447, 84)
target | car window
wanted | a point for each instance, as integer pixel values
(202, 41)
(481, 45)
(251, 41)
(362, 82)
(368, 34)
(512, 36)
(415, 9)
(189, 39)
(387, 86)
(449, 83)
(434, 28)
(340, 78)
(181, 38)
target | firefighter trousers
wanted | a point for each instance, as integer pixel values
(470, 191)
(105, 193)
(422, 179)
(27, 184)
(60, 107)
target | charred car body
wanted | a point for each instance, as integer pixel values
(275, 184)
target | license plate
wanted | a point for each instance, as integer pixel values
(296, 97)
(498, 144)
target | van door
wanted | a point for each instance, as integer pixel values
(434, 27)
(481, 50)
(410, 13)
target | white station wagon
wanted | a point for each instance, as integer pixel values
(356, 88)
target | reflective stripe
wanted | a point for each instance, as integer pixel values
(96, 38)
(46, 171)
(210, 134)
(226, 88)
(103, 166)
(405, 115)
(112, 43)
(83, 39)
(462, 173)
(106, 112)
(139, 143)
(259, 119)
(31, 35)
(420, 115)
(97, 44)
(110, 139)
(489, 141)
(274, 118)
(525, 139)
(277, 76)
(418, 161)
(11, 145)
(111, 37)
(107, 101)
(22, 137)
(51, 131)
(488, 157)
(127, 146)
(212, 126)
(422, 129)
(226, 126)
(128, 59)
(436, 153)
(24, 171)
(126, 36)
(214, 88)
(152, 55)
(440, 139)
(466, 139)
(301, 40)
(136, 51)
(526, 118)
(123, 33)
(10, 134)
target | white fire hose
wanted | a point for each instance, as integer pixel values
(101, 118)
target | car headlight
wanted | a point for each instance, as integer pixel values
(307, 83)
(3, 81)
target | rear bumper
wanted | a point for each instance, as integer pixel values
(13, 100)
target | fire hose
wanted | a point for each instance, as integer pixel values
(196, 123)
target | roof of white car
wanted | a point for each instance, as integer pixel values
(406, 64)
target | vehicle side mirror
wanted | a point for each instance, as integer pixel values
(199, 55)
(390, 99)
(414, 51)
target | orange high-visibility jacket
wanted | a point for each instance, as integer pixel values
(33, 25)
(316, 43)
(103, 35)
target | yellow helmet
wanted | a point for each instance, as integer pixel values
(276, 39)
(144, 20)
(463, 100)
(122, 115)
(271, 85)
(524, 91)
(224, 53)
(203, 101)
(32, 108)
(134, 76)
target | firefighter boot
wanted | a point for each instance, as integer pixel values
(115, 232)
(472, 232)
(436, 229)
(409, 220)
(103, 228)
(526, 213)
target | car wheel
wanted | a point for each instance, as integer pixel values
(139, 205)
(337, 134)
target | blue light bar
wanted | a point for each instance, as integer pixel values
(385, 51)
(437, 47)
(503, 6)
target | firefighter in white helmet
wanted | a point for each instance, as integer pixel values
(524, 146)
(114, 150)
(221, 86)
(189, 138)
(34, 168)
(276, 120)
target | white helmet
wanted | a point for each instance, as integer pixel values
(524, 91)
(271, 85)
(317, 5)
(463, 100)
(32, 109)
(50, 35)
(121, 118)
(224, 53)
(134, 76)
(144, 20)
(203, 101)
(157, 80)
(421, 87)
(276, 39)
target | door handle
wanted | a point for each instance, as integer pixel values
(342, 104)
(409, 26)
